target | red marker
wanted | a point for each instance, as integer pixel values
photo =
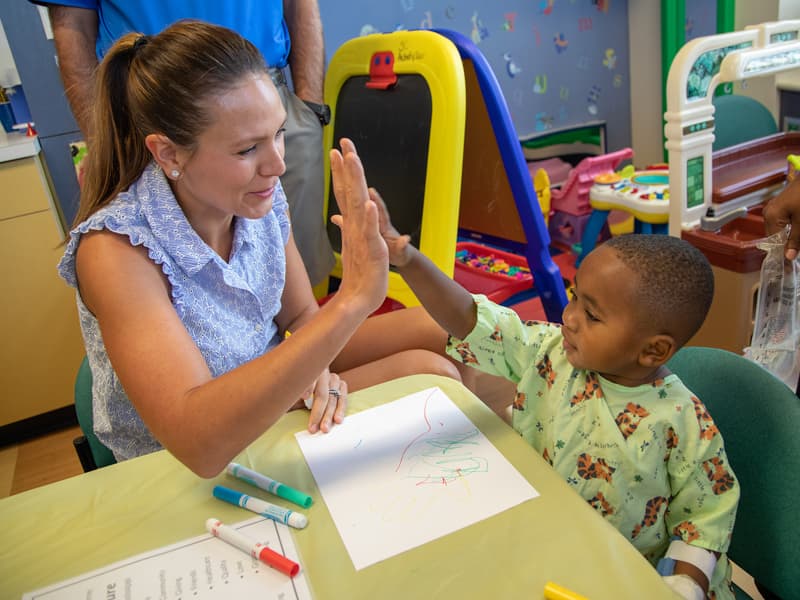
(255, 549)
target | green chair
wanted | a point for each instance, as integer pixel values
(91, 451)
(739, 119)
(759, 418)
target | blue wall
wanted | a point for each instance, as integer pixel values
(559, 62)
(701, 18)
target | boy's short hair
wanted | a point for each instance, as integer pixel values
(676, 283)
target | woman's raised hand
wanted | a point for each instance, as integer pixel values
(365, 258)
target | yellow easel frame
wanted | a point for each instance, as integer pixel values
(436, 59)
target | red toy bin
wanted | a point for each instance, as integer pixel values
(497, 286)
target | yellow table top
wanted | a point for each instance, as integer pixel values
(67, 528)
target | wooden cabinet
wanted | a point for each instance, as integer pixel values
(42, 346)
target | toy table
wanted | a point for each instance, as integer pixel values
(643, 194)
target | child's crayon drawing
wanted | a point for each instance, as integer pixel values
(407, 472)
(439, 457)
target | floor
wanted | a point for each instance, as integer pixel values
(38, 461)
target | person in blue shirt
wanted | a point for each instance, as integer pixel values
(186, 271)
(289, 36)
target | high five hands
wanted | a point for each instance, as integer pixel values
(365, 258)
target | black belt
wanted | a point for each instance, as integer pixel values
(278, 76)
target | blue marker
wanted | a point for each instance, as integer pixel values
(265, 509)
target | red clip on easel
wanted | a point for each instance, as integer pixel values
(381, 71)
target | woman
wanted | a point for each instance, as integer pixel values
(187, 275)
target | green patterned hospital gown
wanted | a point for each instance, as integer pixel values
(649, 459)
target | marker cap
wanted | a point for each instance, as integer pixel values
(227, 494)
(297, 520)
(295, 496)
(270, 485)
(279, 562)
(553, 591)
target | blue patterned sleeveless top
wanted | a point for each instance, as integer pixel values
(227, 307)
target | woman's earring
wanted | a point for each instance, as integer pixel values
(175, 173)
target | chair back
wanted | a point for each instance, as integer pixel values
(739, 119)
(759, 418)
(99, 454)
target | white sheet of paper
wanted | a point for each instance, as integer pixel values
(201, 567)
(402, 474)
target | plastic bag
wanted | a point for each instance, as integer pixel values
(776, 332)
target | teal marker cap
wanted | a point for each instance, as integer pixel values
(270, 485)
(228, 495)
(295, 496)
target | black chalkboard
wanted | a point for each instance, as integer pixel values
(391, 131)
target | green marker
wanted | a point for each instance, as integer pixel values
(270, 485)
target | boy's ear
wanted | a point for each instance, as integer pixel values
(164, 151)
(657, 350)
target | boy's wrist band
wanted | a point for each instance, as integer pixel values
(684, 585)
(701, 558)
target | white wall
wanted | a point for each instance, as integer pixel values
(644, 45)
(789, 9)
(761, 88)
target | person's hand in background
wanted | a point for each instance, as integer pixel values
(783, 210)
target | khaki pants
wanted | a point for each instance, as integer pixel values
(303, 183)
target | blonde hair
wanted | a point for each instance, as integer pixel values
(157, 84)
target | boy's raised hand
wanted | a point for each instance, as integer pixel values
(365, 264)
(399, 245)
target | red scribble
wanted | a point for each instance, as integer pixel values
(427, 422)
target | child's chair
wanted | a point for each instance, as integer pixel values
(572, 212)
(573, 196)
(91, 451)
(759, 418)
(739, 119)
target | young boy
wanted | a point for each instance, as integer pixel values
(596, 399)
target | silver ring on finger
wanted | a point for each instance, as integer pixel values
(334, 393)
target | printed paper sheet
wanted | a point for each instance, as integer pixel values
(201, 567)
